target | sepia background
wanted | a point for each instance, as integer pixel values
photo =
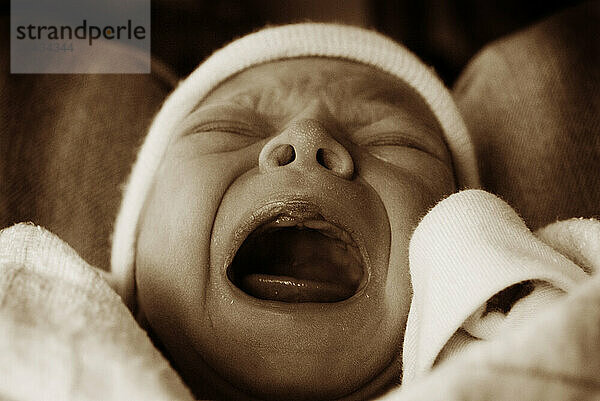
(444, 33)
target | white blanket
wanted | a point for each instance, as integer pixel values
(544, 345)
(64, 333)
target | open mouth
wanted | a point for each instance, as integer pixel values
(298, 260)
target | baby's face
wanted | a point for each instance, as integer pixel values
(272, 255)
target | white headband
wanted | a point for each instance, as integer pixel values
(270, 44)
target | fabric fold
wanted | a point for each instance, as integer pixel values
(468, 248)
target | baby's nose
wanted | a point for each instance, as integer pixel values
(306, 145)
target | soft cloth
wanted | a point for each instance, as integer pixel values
(555, 357)
(468, 249)
(65, 334)
(284, 42)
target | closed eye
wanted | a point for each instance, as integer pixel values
(393, 139)
(225, 126)
(224, 117)
(400, 133)
(220, 136)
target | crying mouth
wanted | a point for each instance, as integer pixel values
(298, 261)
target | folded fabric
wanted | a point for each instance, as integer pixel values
(464, 255)
(64, 333)
(467, 249)
(555, 357)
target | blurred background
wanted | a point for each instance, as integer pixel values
(444, 33)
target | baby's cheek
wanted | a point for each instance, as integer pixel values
(407, 191)
(172, 254)
(172, 259)
(405, 199)
(437, 178)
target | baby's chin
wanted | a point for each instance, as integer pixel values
(296, 305)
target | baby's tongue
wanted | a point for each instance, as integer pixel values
(302, 266)
(292, 289)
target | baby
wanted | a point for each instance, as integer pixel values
(263, 237)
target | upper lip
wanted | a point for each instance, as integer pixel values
(316, 222)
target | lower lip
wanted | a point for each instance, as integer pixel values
(289, 289)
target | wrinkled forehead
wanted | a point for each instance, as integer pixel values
(346, 88)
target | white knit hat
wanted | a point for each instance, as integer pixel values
(270, 44)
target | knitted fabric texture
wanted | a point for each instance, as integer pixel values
(270, 44)
(468, 248)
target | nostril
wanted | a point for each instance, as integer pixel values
(336, 160)
(328, 159)
(284, 154)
